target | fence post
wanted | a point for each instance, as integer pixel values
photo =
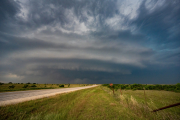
(120, 90)
(112, 87)
(145, 96)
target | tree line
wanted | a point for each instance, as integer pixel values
(175, 88)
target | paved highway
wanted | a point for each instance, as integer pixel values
(7, 98)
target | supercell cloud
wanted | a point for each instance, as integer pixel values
(90, 41)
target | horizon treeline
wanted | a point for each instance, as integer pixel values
(174, 88)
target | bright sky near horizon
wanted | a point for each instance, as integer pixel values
(90, 41)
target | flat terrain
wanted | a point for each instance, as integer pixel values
(19, 87)
(96, 103)
(20, 96)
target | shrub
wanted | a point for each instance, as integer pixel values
(105, 85)
(178, 85)
(175, 88)
(25, 86)
(127, 88)
(68, 85)
(12, 86)
(1, 83)
(61, 85)
(134, 89)
(137, 86)
(33, 85)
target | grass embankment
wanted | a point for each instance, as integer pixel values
(19, 87)
(95, 104)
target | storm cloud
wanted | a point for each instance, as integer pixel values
(96, 41)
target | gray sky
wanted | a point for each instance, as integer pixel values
(90, 41)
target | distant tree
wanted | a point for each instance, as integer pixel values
(12, 86)
(68, 85)
(10, 82)
(158, 87)
(61, 85)
(1, 83)
(25, 86)
(28, 83)
(33, 85)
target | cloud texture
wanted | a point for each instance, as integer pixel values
(96, 41)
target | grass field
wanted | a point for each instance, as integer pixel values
(19, 87)
(96, 104)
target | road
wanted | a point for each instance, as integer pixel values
(7, 98)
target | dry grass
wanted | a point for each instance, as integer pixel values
(135, 100)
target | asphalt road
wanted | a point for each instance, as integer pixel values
(7, 98)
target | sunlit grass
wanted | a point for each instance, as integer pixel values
(93, 103)
(142, 105)
(97, 103)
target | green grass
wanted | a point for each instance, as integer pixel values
(153, 99)
(19, 87)
(95, 104)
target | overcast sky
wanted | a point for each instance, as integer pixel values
(90, 41)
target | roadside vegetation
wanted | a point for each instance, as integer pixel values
(175, 88)
(143, 102)
(97, 103)
(5, 87)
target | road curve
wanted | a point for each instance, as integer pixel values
(7, 98)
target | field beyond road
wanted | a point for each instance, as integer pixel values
(96, 104)
(31, 86)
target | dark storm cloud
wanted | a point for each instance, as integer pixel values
(124, 35)
(84, 75)
(92, 41)
(56, 69)
(8, 10)
(161, 25)
(45, 12)
(59, 75)
(9, 43)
